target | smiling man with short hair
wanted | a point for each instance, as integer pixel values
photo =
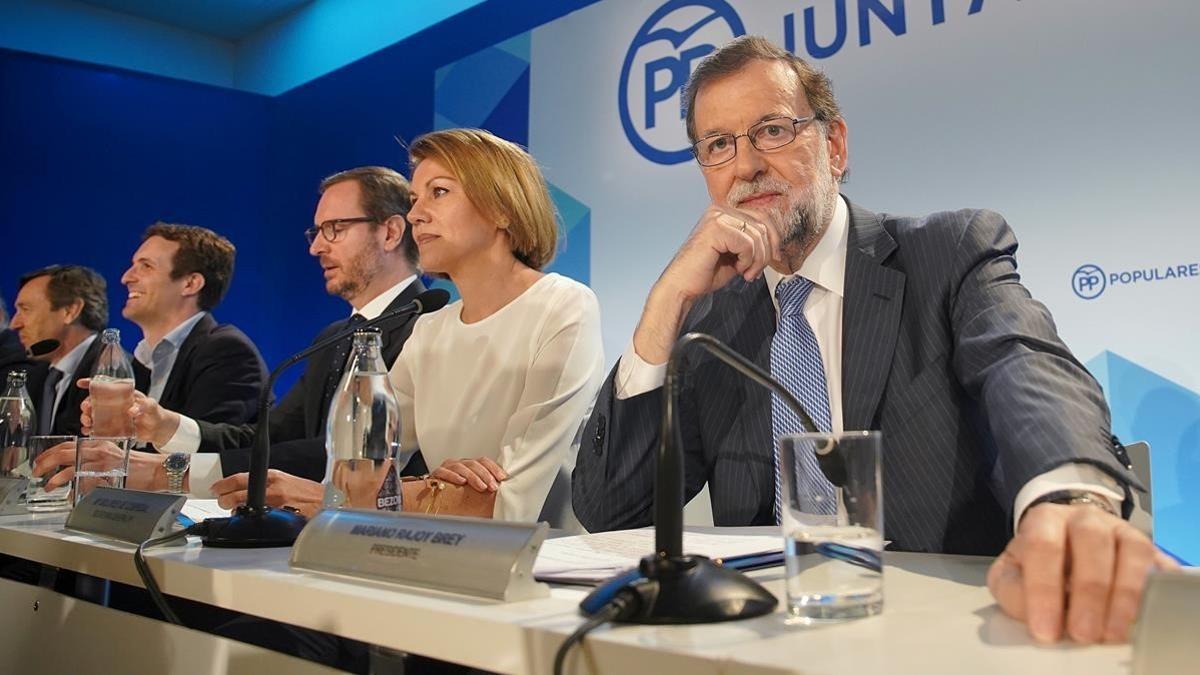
(186, 360)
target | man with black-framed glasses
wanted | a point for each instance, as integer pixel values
(997, 440)
(366, 251)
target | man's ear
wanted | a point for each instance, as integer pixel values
(836, 140)
(394, 227)
(73, 310)
(192, 284)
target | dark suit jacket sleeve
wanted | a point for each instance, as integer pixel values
(287, 423)
(612, 486)
(227, 377)
(1042, 406)
(290, 451)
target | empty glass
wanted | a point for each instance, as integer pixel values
(833, 542)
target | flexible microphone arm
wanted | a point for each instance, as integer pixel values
(668, 493)
(668, 586)
(429, 301)
(254, 524)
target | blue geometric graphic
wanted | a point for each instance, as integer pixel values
(490, 90)
(574, 257)
(487, 90)
(1149, 407)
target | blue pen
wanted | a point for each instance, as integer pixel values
(855, 555)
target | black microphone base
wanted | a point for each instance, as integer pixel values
(694, 589)
(247, 528)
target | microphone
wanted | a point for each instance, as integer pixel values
(42, 348)
(674, 588)
(668, 488)
(254, 524)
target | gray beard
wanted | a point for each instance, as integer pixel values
(806, 222)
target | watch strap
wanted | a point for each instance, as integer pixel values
(1071, 497)
(176, 466)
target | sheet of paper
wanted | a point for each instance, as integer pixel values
(592, 558)
(200, 509)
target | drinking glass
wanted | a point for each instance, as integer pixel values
(100, 462)
(37, 498)
(833, 542)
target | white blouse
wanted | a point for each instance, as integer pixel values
(516, 387)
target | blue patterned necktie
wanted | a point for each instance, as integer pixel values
(796, 363)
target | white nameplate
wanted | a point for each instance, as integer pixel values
(128, 515)
(472, 556)
(12, 496)
(1164, 637)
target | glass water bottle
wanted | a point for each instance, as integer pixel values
(111, 389)
(17, 424)
(362, 434)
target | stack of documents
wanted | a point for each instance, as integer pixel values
(202, 509)
(592, 558)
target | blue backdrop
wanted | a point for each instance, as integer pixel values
(92, 155)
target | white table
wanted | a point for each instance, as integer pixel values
(938, 617)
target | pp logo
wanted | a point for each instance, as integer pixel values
(1088, 282)
(657, 66)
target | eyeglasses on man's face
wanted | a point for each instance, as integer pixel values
(769, 134)
(333, 229)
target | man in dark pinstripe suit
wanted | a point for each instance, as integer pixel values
(990, 424)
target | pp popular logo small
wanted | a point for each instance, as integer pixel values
(1088, 281)
(675, 36)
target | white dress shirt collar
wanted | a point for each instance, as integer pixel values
(145, 352)
(826, 265)
(68, 362)
(380, 302)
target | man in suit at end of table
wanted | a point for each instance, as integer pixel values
(369, 258)
(186, 360)
(67, 303)
(918, 327)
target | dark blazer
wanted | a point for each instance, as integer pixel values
(943, 350)
(217, 376)
(66, 415)
(298, 421)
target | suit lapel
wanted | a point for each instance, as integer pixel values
(73, 396)
(870, 318)
(742, 316)
(760, 328)
(175, 381)
(323, 362)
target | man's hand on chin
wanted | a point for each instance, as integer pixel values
(1074, 569)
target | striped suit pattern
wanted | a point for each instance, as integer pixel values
(943, 350)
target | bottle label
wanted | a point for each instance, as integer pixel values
(389, 497)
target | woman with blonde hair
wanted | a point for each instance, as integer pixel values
(494, 387)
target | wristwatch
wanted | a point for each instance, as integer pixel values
(1069, 497)
(176, 465)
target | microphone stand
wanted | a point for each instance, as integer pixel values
(254, 524)
(678, 588)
